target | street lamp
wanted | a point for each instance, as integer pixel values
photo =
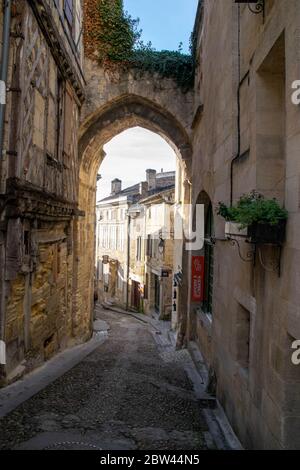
(161, 245)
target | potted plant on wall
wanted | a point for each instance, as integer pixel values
(260, 220)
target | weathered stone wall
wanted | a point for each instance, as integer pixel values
(39, 188)
(260, 389)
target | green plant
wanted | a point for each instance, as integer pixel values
(253, 208)
(118, 41)
(116, 33)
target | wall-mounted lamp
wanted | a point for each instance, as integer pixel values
(255, 6)
(161, 246)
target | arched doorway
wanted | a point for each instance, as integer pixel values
(120, 114)
(134, 219)
(201, 307)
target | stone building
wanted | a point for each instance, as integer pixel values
(236, 131)
(112, 243)
(134, 245)
(159, 252)
(246, 135)
(56, 124)
(43, 92)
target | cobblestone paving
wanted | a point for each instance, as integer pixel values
(122, 396)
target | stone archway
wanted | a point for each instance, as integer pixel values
(98, 128)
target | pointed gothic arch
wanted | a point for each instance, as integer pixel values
(114, 117)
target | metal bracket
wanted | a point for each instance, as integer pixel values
(250, 255)
(275, 265)
(255, 6)
(259, 7)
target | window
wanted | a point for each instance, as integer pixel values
(139, 248)
(121, 237)
(149, 246)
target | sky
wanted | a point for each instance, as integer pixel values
(129, 155)
(165, 23)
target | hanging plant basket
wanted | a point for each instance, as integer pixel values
(258, 233)
(267, 234)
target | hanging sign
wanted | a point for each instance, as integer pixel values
(197, 278)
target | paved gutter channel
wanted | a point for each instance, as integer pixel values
(124, 428)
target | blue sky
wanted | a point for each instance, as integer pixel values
(165, 23)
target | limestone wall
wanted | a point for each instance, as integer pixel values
(255, 312)
(39, 189)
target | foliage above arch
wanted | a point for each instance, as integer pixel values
(118, 41)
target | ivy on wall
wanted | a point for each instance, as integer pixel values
(118, 41)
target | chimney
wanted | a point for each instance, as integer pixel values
(143, 188)
(151, 179)
(116, 186)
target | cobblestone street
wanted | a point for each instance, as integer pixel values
(132, 392)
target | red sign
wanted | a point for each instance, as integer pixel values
(197, 278)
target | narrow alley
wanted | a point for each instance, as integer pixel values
(132, 392)
(149, 226)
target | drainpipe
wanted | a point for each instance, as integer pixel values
(238, 110)
(4, 68)
(3, 86)
(128, 262)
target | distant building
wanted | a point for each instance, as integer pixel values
(134, 245)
